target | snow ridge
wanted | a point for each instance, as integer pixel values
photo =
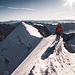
(16, 47)
(32, 31)
(61, 62)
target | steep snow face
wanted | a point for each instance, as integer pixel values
(17, 46)
(32, 31)
(25, 67)
(61, 62)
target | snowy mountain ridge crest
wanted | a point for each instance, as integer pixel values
(32, 31)
(61, 62)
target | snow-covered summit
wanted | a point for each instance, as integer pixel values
(61, 62)
(32, 31)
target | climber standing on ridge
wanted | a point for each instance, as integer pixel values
(58, 31)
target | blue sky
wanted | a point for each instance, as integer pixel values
(36, 9)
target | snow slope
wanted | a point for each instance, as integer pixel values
(32, 31)
(17, 46)
(61, 62)
(25, 67)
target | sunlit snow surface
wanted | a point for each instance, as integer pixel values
(33, 31)
(61, 62)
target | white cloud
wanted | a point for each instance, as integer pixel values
(14, 8)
